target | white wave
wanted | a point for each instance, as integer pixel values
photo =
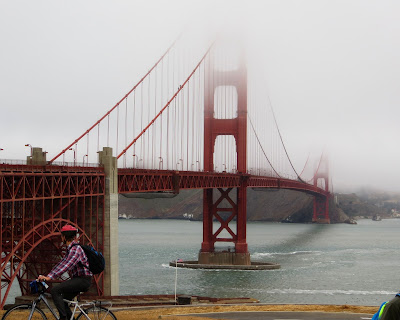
(268, 254)
(361, 251)
(329, 292)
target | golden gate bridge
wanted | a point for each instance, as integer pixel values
(195, 120)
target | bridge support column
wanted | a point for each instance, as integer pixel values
(321, 210)
(225, 208)
(321, 204)
(241, 243)
(111, 272)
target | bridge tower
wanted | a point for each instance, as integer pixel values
(225, 205)
(321, 204)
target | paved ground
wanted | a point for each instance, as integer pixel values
(282, 315)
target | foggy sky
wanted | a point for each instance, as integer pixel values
(332, 70)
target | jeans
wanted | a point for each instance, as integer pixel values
(68, 290)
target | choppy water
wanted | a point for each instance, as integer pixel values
(327, 264)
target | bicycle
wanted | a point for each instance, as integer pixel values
(92, 310)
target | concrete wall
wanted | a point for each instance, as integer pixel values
(111, 273)
(38, 157)
(224, 258)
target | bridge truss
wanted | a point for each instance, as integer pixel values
(35, 201)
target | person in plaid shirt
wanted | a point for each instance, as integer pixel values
(76, 264)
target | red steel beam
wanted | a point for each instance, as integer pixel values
(141, 180)
(34, 201)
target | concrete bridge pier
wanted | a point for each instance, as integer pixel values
(37, 158)
(111, 272)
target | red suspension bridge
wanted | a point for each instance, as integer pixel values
(194, 121)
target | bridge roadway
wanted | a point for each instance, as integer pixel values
(282, 315)
(141, 180)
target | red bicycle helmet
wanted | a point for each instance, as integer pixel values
(68, 227)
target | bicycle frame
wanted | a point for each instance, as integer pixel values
(79, 306)
(35, 302)
(76, 304)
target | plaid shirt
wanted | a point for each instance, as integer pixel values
(70, 263)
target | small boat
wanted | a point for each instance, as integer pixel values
(351, 221)
(376, 217)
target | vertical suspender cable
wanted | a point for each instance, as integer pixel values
(126, 126)
(141, 121)
(133, 128)
(162, 103)
(193, 146)
(187, 126)
(108, 130)
(182, 111)
(148, 147)
(87, 149)
(98, 137)
(117, 127)
(155, 125)
(226, 157)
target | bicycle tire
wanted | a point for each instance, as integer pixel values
(97, 313)
(22, 311)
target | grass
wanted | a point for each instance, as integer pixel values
(186, 312)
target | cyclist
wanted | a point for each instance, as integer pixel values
(76, 264)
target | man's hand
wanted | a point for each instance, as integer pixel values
(43, 278)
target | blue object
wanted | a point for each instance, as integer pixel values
(378, 315)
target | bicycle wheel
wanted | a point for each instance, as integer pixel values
(97, 313)
(22, 311)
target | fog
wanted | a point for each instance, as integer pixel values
(331, 70)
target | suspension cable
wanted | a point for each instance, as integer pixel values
(280, 136)
(262, 149)
(180, 88)
(119, 102)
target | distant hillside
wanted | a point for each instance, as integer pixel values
(266, 205)
(369, 203)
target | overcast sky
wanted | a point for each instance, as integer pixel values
(332, 70)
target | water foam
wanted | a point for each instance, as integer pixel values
(328, 292)
(271, 254)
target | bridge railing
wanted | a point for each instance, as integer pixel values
(11, 161)
(55, 163)
(74, 164)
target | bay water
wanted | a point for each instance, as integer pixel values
(324, 264)
(320, 264)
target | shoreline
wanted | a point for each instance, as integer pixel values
(187, 312)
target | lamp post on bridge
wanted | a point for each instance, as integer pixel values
(74, 154)
(134, 160)
(161, 163)
(84, 159)
(28, 145)
(177, 164)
